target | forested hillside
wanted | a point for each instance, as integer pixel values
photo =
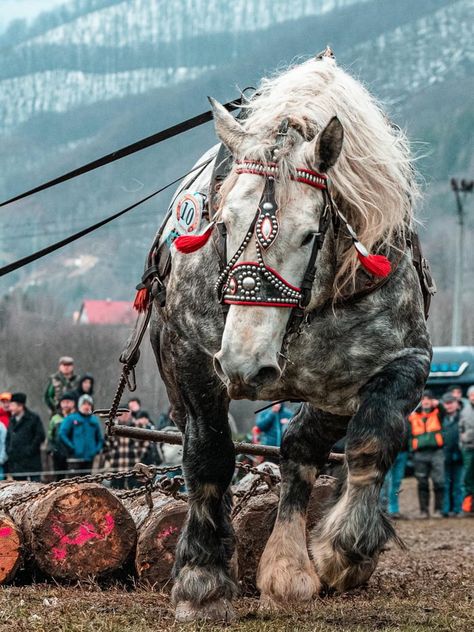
(93, 75)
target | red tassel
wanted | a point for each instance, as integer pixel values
(378, 265)
(141, 300)
(191, 243)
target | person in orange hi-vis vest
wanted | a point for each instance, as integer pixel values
(426, 443)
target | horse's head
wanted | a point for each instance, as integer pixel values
(275, 212)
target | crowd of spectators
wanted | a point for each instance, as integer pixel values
(74, 440)
(438, 442)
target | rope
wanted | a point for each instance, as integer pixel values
(149, 141)
(20, 263)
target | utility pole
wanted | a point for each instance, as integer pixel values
(458, 187)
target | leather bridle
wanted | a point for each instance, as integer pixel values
(254, 283)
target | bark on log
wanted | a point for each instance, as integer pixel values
(254, 524)
(75, 531)
(158, 532)
(11, 553)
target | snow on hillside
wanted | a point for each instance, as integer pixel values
(430, 50)
(133, 22)
(60, 90)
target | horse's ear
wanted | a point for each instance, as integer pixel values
(228, 130)
(328, 144)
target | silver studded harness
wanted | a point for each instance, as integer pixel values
(254, 283)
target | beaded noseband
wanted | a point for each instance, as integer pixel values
(254, 282)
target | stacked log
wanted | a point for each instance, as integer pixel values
(11, 552)
(73, 531)
(158, 531)
(254, 524)
(82, 530)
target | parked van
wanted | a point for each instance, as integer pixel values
(451, 365)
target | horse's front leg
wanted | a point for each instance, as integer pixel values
(203, 586)
(285, 573)
(348, 541)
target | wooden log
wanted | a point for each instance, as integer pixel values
(254, 524)
(158, 532)
(176, 438)
(73, 531)
(11, 552)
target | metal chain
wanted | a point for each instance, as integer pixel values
(122, 383)
(147, 473)
(269, 478)
(138, 472)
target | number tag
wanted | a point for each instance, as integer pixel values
(188, 211)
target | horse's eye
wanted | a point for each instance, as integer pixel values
(222, 228)
(307, 240)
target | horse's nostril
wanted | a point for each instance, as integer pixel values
(264, 376)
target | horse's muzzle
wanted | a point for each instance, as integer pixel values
(245, 379)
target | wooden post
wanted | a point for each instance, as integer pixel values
(175, 438)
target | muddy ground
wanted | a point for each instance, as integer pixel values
(428, 587)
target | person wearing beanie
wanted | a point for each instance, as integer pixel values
(24, 438)
(466, 436)
(57, 449)
(81, 433)
(85, 386)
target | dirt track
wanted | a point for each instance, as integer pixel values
(429, 587)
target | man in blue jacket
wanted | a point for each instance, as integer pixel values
(81, 433)
(272, 424)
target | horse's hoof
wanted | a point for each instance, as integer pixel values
(220, 610)
(268, 605)
(337, 571)
(283, 584)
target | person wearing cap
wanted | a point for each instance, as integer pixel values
(58, 451)
(24, 438)
(5, 399)
(453, 468)
(426, 443)
(466, 436)
(63, 380)
(81, 433)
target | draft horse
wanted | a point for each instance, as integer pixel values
(296, 281)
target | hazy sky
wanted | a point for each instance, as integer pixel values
(12, 9)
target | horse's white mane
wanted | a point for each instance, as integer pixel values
(373, 181)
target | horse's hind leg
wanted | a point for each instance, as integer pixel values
(204, 586)
(285, 572)
(348, 541)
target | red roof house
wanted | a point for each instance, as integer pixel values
(106, 313)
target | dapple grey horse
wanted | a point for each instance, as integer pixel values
(296, 308)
